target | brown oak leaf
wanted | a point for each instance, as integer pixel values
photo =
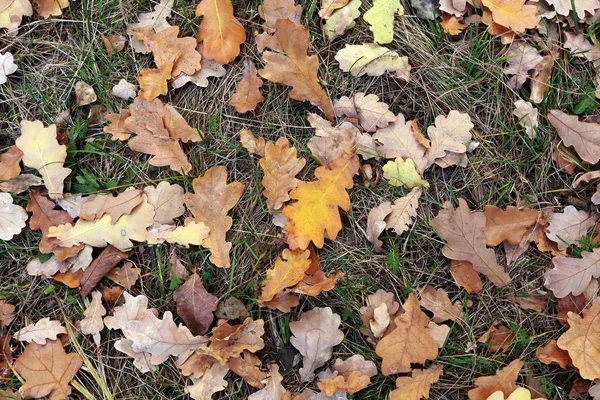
(581, 341)
(583, 136)
(350, 376)
(497, 339)
(572, 275)
(126, 276)
(115, 206)
(252, 144)
(167, 200)
(504, 381)
(438, 302)
(229, 341)
(417, 385)
(195, 305)
(247, 93)
(102, 265)
(510, 224)
(568, 227)
(221, 33)
(248, 367)
(550, 353)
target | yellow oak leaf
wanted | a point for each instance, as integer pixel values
(513, 14)
(102, 232)
(289, 269)
(192, 233)
(153, 81)
(12, 11)
(315, 216)
(381, 19)
(42, 152)
(403, 173)
(373, 60)
(221, 32)
(48, 8)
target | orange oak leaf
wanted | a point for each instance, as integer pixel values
(247, 93)
(280, 165)
(550, 353)
(70, 278)
(497, 339)
(195, 305)
(438, 302)
(153, 81)
(416, 386)
(351, 375)
(9, 165)
(247, 367)
(252, 144)
(289, 269)
(213, 197)
(115, 206)
(513, 14)
(229, 341)
(465, 241)
(510, 224)
(504, 381)
(125, 276)
(290, 65)
(283, 302)
(581, 341)
(530, 301)
(47, 370)
(105, 262)
(221, 32)
(315, 281)
(315, 216)
(48, 8)
(410, 342)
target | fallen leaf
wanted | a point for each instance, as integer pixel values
(564, 7)
(133, 308)
(141, 360)
(342, 19)
(283, 302)
(381, 19)
(190, 234)
(568, 227)
(21, 183)
(417, 385)
(399, 140)
(213, 197)
(156, 20)
(6, 358)
(247, 93)
(167, 200)
(229, 341)
(373, 60)
(84, 94)
(439, 333)
(450, 135)
(463, 232)
(438, 302)
(195, 305)
(47, 370)
(79, 262)
(465, 276)
(504, 380)
(252, 144)
(550, 353)
(92, 323)
(410, 342)
(12, 217)
(532, 302)
(329, 6)
(570, 303)
(211, 382)
(315, 281)
(102, 265)
(513, 14)
(314, 336)
(542, 74)
(510, 224)
(115, 206)
(248, 368)
(329, 142)
(371, 113)
(221, 33)
(528, 117)
(200, 78)
(40, 331)
(581, 341)
(7, 313)
(196, 365)
(101, 232)
(403, 211)
(153, 82)
(375, 302)
(230, 309)
(289, 269)
(583, 136)
(125, 276)
(111, 293)
(497, 339)
(71, 279)
(291, 66)
(42, 152)
(280, 166)
(272, 10)
(573, 275)
(403, 173)
(452, 25)
(124, 90)
(315, 216)
(273, 389)
(12, 14)
(178, 269)
(114, 44)
(521, 58)
(9, 163)
(351, 375)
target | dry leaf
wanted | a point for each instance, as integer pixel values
(7, 313)
(200, 78)
(283, 302)
(12, 217)
(153, 82)
(564, 7)
(92, 323)
(513, 14)
(230, 309)
(40, 331)
(329, 6)
(291, 66)
(465, 276)
(463, 232)
(195, 305)
(221, 33)
(196, 365)
(410, 342)
(504, 380)
(273, 389)
(381, 19)
(229, 341)
(376, 221)
(213, 197)
(272, 10)
(521, 58)
(280, 165)
(177, 268)
(371, 113)
(581, 341)
(71, 279)
(248, 367)
(156, 20)
(247, 93)
(570, 303)
(438, 302)
(12, 13)
(42, 152)
(416, 386)
(373, 60)
(133, 308)
(289, 269)
(568, 227)
(47, 370)
(124, 90)
(550, 353)
(329, 143)
(115, 206)
(573, 275)
(401, 172)
(85, 94)
(439, 333)
(497, 339)
(10, 165)
(565, 158)
(399, 140)
(315, 281)
(315, 216)
(528, 117)
(252, 144)
(510, 224)
(583, 136)
(349, 376)
(114, 44)
(6, 359)
(342, 19)
(533, 302)
(78, 262)
(102, 265)
(211, 382)
(542, 74)
(451, 24)
(449, 136)
(315, 336)
(374, 302)
(167, 200)
(125, 276)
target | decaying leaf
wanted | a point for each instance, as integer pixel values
(497, 339)
(42, 152)
(232, 308)
(12, 217)
(521, 58)
(438, 302)
(115, 206)
(124, 90)
(50, 267)
(290, 65)
(10, 164)
(221, 33)
(114, 44)
(213, 197)
(403, 173)
(583, 136)
(315, 216)
(580, 7)
(373, 60)
(289, 269)
(101, 266)
(581, 341)
(510, 224)
(192, 233)
(92, 324)
(211, 382)
(133, 308)
(84, 94)
(451, 24)
(156, 20)
(125, 276)
(573, 275)
(528, 117)
(504, 380)
(370, 112)
(315, 336)
(247, 93)
(550, 353)
(330, 143)
(247, 367)
(409, 342)
(568, 227)
(195, 305)
(381, 19)
(530, 302)
(465, 241)
(47, 370)
(417, 385)
(351, 375)
(40, 331)
(342, 19)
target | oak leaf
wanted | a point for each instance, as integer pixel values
(153, 82)
(381, 19)
(196, 364)
(283, 302)
(273, 10)
(410, 342)
(439, 333)
(6, 359)
(84, 94)
(403, 211)
(92, 324)
(568, 227)
(12, 13)
(124, 90)
(497, 339)
(376, 222)
(350, 376)
(209, 69)
(229, 341)
(452, 25)
(315, 216)
(47, 370)
(101, 266)
(132, 309)
(531, 301)
(211, 382)
(141, 359)
(101, 232)
(568, 304)
(438, 302)
(513, 14)
(291, 66)
(580, 7)
(167, 200)
(190, 234)
(114, 44)
(280, 166)
(43, 217)
(510, 224)
(399, 140)
(581, 341)
(156, 20)
(528, 117)
(178, 269)
(195, 305)
(115, 206)
(221, 33)
(12, 217)
(463, 232)
(273, 389)
(449, 136)
(504, 380)
(9, 67)
(315, 335)
(289, 269)
(10, 165)
(374, 302)
(41, 151)
(465, 276)
(329, 6)
(403, 173)
(232, 308)
(573, 275)
(315, 281)
(126, 276)
(213, 197)
(329, 142)
(40, 331)
(583, 136)
(371, 113)
(342, 19)
(78, 262)
(416, 386)
(247, 367)
(252, 144)
(7, 313)
(247, 93)
(373, 60)
(550, 353)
